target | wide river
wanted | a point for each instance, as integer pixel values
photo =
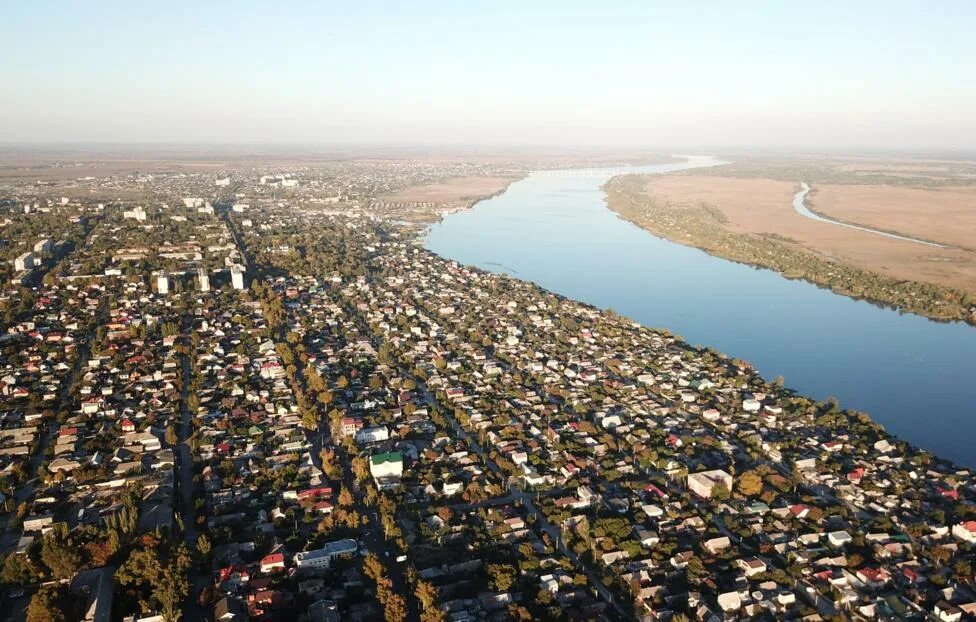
(914, 376)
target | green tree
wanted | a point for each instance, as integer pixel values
(501, 576)
(158, 571)
(720, 492)
(19, 570)
(60, 554)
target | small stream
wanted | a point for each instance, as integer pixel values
(799, 204)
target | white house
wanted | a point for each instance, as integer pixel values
(703, 483)
(376, 434)
(24, 261)
(323, 557)
(965, 531)
(386, 469)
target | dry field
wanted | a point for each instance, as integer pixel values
(758, 206)
(944, 215)
(456, 192)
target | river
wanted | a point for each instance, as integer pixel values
(912, 375)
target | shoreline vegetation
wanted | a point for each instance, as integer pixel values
(702, 226)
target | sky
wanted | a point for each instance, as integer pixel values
(788, 75)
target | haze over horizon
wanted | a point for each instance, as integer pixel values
(875, 75)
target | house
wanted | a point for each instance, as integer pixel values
(965, 531)
(730, 601)
(230, 609)
(703, 484)
(716, 545)
(874, 576)
(351, 425)
(273, 563)
(323, 557)
(386, 469)
(38, 522)
(324, 611)
(751, 566)
(947, 612)
(376, 434)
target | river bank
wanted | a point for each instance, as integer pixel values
(706, 227)
(912, 375)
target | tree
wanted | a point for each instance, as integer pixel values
(434, 614)
(19, 570)
(501, 576)
(373, 567)
(426, 593)
(203, 545)
(395, 609)
(61, 555)
(49, 604)
(750, 484)
(720, 492)
(101, 549)
(695, 570)
(360, 468)
(158, 570)
(171, 437)
(329, 466)
(310, 420)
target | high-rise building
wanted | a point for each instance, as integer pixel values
(237, 276)
(162, 284)
(203, 280)
(43, 247)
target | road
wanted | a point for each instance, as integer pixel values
(523, 498)
(192, 612)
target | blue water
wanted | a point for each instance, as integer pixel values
(914, 376)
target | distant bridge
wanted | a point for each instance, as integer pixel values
(582, 173)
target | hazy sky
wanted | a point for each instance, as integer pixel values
(883, 74)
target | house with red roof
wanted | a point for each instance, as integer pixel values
(965, 531)
(273, 563)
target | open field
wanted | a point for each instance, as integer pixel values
(737, 213)
(764, 206)
(456, 192)
(820, 170)
(945, 215)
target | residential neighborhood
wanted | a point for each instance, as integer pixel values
(252, 394)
